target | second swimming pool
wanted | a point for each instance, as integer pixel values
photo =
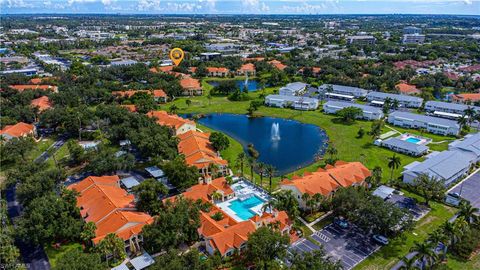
(242, 208)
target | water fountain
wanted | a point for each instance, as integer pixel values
(275, 132)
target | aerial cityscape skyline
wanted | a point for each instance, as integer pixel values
(458, 7)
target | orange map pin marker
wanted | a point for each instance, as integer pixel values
(176, 55)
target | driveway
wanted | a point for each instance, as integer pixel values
(45, 155)
(34, 257)
(350, 246)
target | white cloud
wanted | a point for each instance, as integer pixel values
(148, 5)
(16, 4)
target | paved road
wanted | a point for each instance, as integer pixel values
(34, 257)
(45, 155)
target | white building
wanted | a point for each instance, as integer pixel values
(403, 100)
(369, 112)
(295, 102)
(413, 39)
(293, 89)
(454, 108)
(343, 90)
(431, 124)
(362, 39)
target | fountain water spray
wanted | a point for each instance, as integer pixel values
(275, 132)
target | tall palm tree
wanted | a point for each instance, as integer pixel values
(306, 198)
(213, 169)
(217, 196)
(409, 264)
(253, 162)
(268, 206)
(425, 254)
(241, 159)
(468, 212)
(332, 151)
(471, 113)
(393, 163)
(270, 172)
(317, 198)
(462, 121)
(261, 170)
(395, 104)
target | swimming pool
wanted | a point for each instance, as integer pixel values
(242, 208)
(413, 140)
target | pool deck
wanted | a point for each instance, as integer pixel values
(248, 189)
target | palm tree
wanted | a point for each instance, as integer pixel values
(241, 158)
(453, 232)
(213, 169)
(173, 109)
(253, 162)
(395, 104)
(468, 212)
(462, 121)
(317, 198)
(425, 253)
(409, 264)
(332, 151)
(270, 172)
(261, 169)
(268, 206)
(376, 178)
(217, 196)
(306, 198)
(471, 113)
(393, 163)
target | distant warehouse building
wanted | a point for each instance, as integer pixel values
(343, 90)
(431, 124)
(378, 98)
(413, 39)
(369, 112)
(362, 39)
(447, 109)
(412, 30)
(295, 102)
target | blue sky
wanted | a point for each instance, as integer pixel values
(470, 7)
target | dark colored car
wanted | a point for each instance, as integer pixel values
(380, 239)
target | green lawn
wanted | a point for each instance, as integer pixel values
(53, 254)
(342, 136)
(389, 255)
(40, 147)
(61, 153)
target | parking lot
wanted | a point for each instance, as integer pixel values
(417, 210)
(350, 246)
(468, 189)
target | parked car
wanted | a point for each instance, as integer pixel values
(380, 239)
(340, 222)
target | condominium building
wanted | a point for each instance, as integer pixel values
(295, 102)
(413, 39)
(293, 89)
(343, 90)
(378, 98)
(431, 124)
(369, 112)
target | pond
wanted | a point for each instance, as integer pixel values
(288, 145)
(252, 85)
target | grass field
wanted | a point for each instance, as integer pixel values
(53, 254)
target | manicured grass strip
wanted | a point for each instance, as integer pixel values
(53, 254)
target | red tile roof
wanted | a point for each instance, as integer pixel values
(20, 129)
(277, 64)
(189, 83)
(110, 207)
(42, 103)
(325, 181)
(217, 70)
(197, 149)
(170, 120)
(156, 93)
(408, 89)
(129, 107)
(472, 97)
(249, 67)
(23, 87)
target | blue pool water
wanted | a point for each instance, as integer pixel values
(242, 208)
(252, 85)
(412, 140)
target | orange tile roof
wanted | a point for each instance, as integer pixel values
(110, 207)
(23, 87)
(277, 64)
(162, 69)
(315, 70)
(325, 181)
(42, 103)
(190, 83)
(247, 67)
(473, 97)
(217, 69)
(197, 149)
(204, 191)
(170, 120)
(408, 89)
(18, 130)
(253, 59)
(232, 237)
(41, 80)
(129, 107)
(129, 93)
